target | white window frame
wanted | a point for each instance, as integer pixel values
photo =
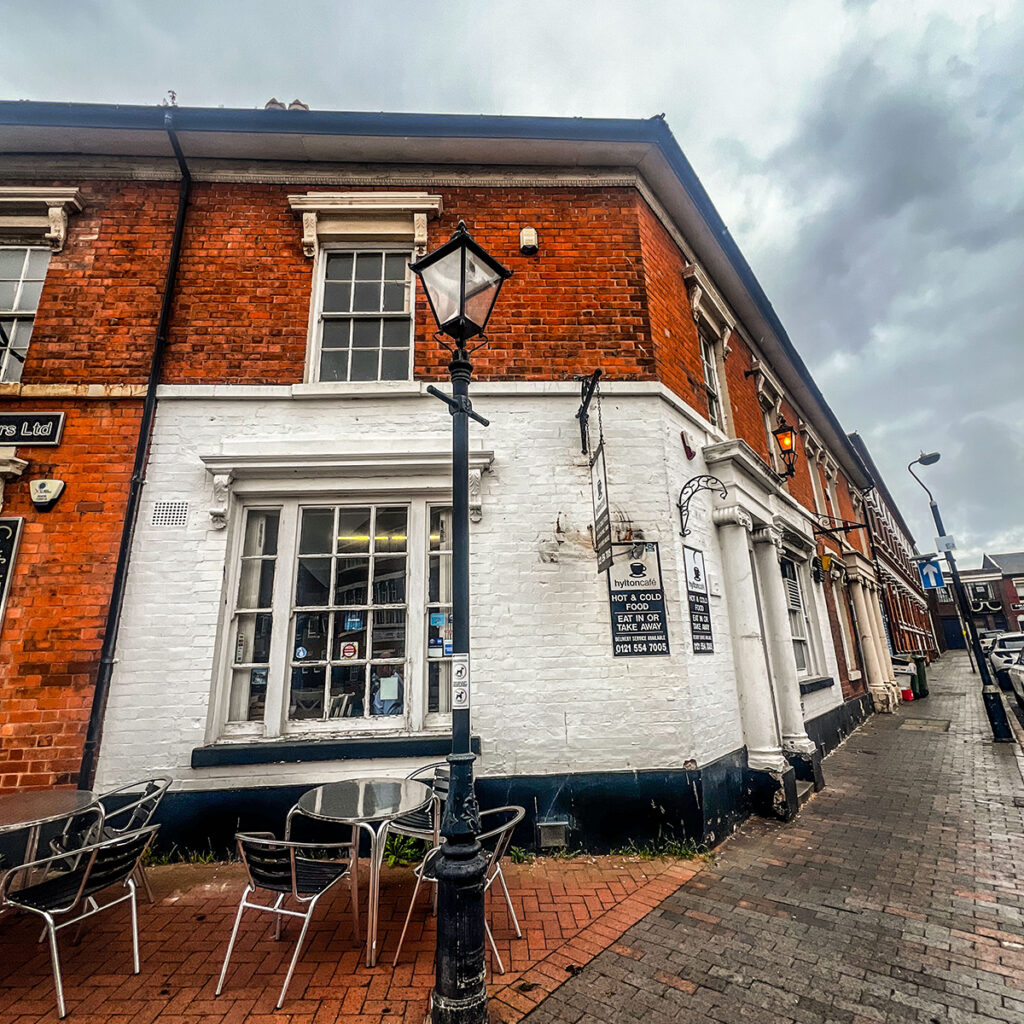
(288, 475)
(709, 361)
(797, 588)
(317, 314)
(17, 316)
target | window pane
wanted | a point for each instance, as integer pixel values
(396, 334)
(337, 297)
(312, 583)
(390, 534)
(439, 686)
(394, 297)
(30, 292)
(394, 364)
(339, 266)
(252, 639)
(387, 690)
(334, 365)
(8, 289)
(389, 634)
(439, 633)
(396, 266)
(336, 333)
(256, 586)
(38, 261)
(389, 580)
(440, 529)
(353, 529)
(317, 527)
(439, 579)
(366, 297)
(310, 636)
(801, 657)
(261, 533)
(349, 636)
(369, 266)
(366, 334)
(307, 692)
(12, 262)
(348, 688)
(364, 364)
(248, 695)
(351, 584)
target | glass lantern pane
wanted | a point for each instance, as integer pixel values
(443, 283)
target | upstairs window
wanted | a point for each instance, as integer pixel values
(707, 358)
(365, 326)
(22, 271)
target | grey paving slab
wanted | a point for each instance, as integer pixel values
(896, 895)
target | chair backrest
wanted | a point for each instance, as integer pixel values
(498, 824)
(437, 775)
(115, 859)
(271, 863)
(137, 813)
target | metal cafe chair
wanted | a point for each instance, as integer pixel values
(143, 798)
(68, 882)
(303, 871)
(426, 823)
(502, 822)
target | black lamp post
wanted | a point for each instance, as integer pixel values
(990, 695)
(461, 281)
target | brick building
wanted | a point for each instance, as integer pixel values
(908, 626)
(995, 592)
(287, 599)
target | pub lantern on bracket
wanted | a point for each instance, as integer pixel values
(785, 438)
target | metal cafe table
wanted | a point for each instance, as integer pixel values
(370, 804)
(34, 808)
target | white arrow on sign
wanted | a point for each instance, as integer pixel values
(932, 574)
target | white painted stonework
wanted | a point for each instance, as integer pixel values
(548, 694)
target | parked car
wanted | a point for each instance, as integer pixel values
(1016, 673)
(1004, 651)
(988, 638)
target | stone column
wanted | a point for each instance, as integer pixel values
(873, 598)
(881, 693)
(767, 550)
(757, 706)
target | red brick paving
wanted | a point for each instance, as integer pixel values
(569, 912)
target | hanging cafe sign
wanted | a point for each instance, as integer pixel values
(10, 534)
(639, 621)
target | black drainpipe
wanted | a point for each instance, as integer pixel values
(87, 773)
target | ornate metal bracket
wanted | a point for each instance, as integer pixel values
(706, 482)
(829, 525)
(588, 385)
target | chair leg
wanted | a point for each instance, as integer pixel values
(135, 927)
(408, 915)
(298, 950)
(55, 959)
(508, 900)
(353, 881)
(141, 876)
(278, 918)
(494, 948)
(231, 942)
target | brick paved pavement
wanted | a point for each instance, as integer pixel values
(896, 895)
(569, 911)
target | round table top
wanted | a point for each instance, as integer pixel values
(365, 800)
(38, 806)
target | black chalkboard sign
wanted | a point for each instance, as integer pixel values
(10, 534)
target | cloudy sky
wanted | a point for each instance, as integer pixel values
(868, 157)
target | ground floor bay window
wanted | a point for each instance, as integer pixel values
(340, 620)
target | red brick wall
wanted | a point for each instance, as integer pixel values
(244, 288)
(101, 297)
(53, 629)
(748, 419)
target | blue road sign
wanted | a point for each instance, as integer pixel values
(931, 575)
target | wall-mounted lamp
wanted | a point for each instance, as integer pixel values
(785, 437)
(44, 493)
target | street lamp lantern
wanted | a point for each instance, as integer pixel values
(462, 281)
(785, 437)
(997, 719)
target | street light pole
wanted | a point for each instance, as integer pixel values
(461, 281)
(994, 708)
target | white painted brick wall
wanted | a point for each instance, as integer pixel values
(548, 694)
